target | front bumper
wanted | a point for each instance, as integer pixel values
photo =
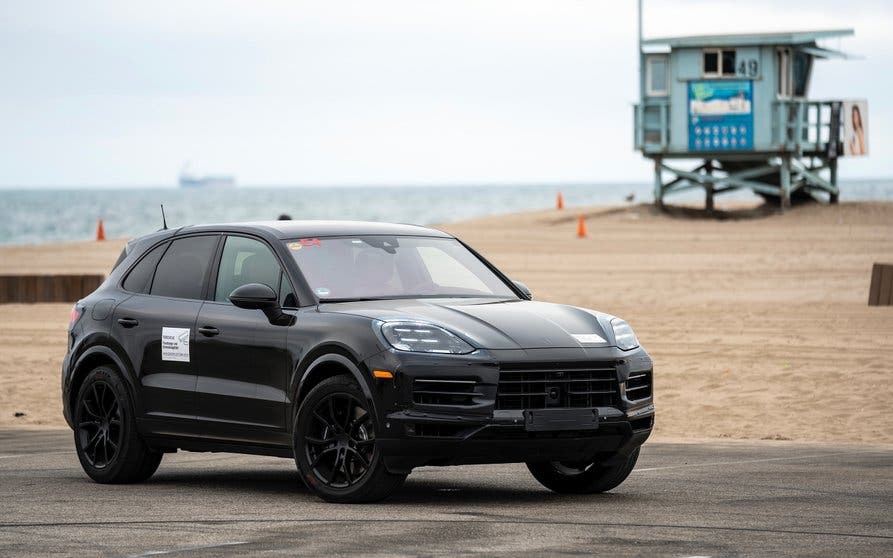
(418, 433)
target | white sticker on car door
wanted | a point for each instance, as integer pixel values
(175, 344)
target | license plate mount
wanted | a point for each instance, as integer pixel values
(550, 420)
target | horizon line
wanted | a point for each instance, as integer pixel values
(556, 183)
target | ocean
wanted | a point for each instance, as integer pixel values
(35, 215)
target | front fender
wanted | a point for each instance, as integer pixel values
(362, 378)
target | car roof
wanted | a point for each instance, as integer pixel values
(312, 228)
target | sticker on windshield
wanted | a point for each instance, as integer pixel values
(322, 291)
(302, 242)
(588, 338)
(175, 344)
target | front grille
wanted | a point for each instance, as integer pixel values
(441, 391)
(638, 386)
(545, 385)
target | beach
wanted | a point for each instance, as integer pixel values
(759, 327)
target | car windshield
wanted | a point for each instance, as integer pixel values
(380, 267)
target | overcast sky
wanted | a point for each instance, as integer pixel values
(371, 92)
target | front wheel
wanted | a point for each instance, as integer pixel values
(584, 477)
(335, 445)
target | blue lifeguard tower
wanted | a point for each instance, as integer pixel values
(738, 105)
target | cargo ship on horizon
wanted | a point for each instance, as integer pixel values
(189, 180)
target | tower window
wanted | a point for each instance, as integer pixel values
(657, 74)
(719, 62)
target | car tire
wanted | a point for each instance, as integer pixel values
(108, 445)
(584, 478)
(334, 445)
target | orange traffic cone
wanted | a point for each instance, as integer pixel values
(581, 227)
(559, 204)
(100, 231)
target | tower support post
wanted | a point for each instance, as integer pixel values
(708, 186)
(658, 183)
(832, 168)
(785, 181)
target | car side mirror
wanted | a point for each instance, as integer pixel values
(524, 289)
(257, 296)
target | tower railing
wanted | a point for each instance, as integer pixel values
(652, 124)
(799, 126)
(805, 126)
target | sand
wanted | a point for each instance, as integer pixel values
(61, 258)
(759, 327)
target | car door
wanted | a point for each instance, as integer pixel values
(243, 363)
(156, 326)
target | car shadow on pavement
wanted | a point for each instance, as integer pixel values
(428, 493)
(248, 481)
(443, 491)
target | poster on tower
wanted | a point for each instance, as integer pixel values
(720, 115)
(855, 127)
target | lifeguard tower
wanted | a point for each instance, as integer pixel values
(738, 105)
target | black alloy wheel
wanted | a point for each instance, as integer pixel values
(340, 440)
(99, 426)
(105, 435)
(584, 477)
(335, 444)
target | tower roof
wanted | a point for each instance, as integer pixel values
(748, 39)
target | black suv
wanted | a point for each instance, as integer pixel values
(362, 350)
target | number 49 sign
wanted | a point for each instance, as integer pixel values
(749, 67)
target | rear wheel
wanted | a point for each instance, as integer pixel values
(335, 446)
(108, 446)
(584, 477)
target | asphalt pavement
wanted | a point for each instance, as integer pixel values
(714, 498)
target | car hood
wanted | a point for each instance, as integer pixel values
(489, 324)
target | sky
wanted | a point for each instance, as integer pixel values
(383, 92)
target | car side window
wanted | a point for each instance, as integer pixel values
(181, 272)
(140, 277)
(245, 260)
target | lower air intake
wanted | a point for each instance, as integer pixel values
(638, 386)
(437, 391)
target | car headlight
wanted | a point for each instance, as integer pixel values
(420, 337)
(624, 335)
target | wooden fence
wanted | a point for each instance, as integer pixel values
(47, 288)
(881, 291)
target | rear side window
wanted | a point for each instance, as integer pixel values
(140, 277)
(181, 272)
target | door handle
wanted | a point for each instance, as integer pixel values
(208, 331)
(128, 322)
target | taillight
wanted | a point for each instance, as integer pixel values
(76, 312)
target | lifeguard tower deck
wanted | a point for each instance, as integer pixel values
(738, 105)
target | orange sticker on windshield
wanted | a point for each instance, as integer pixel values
(304, 242)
